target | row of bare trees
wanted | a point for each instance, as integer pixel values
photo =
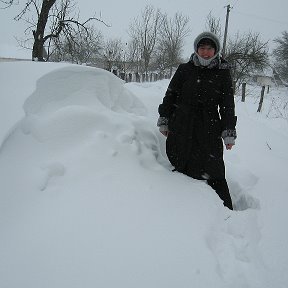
(58, 35)
(158, 40)
(155, 44)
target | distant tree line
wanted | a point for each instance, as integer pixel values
(154, 47)
(155, 44)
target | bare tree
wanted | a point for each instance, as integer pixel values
(280, 54)
(246, 54)
(134, 53)
(144, 31)
(112, 53)
(161, 61)
(213, 24)
(54, 14)
(171, 40)
(78, 46)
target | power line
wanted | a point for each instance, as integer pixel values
(261, 17)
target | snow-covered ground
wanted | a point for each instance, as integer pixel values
(88, 199)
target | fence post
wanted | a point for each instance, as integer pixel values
(261, 99)
(137, 77)
(243, 92)
(130, 77)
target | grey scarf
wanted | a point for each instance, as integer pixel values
(209, 63)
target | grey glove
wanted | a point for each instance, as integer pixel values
(163, 128)
(229, 136)
(162, 123)
(229, 140)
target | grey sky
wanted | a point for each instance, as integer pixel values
(269, 18)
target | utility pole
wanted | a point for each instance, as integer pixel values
(226, 30)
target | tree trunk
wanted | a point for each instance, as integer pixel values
(38, 46)
(261, 99)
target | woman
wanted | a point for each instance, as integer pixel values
(197, 110)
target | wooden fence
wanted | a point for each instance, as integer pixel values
(140, 77)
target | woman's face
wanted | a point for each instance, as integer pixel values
(206, 51)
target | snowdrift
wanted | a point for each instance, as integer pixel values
(88, 198)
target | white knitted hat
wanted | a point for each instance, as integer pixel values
(211, 36)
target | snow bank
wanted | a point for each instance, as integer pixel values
(88, 198)
(103, 211)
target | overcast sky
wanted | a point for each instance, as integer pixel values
(269, 18)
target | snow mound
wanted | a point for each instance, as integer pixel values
(82, 86)
(73, 105)
(82, 108)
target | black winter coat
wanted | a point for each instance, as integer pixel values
(199, 106)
